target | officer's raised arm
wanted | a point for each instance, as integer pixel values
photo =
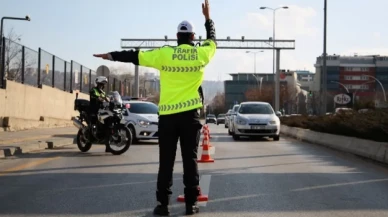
(147, 58)
(209, 46)
(209, 24)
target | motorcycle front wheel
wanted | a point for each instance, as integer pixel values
(122, 145)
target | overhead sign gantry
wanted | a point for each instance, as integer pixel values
(228, 43)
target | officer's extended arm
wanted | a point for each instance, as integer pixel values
(148, 58)
(127, 56)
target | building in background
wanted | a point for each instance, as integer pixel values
(354, 74)
(305, 79)
(236, 88)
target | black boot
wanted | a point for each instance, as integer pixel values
(163, 201)
(107, 149)
(161, 210)
(191, 198)
(192, 209)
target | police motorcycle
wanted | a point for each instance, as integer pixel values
(109, 128)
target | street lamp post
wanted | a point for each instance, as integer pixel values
(382, 87)
(259, 81)
(355, 92)
(26, 18)
(347, 90)
(273, 54)
(254, 56)
(324, 67)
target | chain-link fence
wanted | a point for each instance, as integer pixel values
(86, 73)
(68, 77)
(46, 63)
(59, 73)
(36, 68)
(30, 73)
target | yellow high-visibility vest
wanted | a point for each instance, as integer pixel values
(181, 73)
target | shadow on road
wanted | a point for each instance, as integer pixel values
(71, 136)
(101, 166)
(227, 138)
(132, 194)
(147, 142)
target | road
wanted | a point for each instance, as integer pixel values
(248, 178)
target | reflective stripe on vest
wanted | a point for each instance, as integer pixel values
(180, 105)
(182, 69)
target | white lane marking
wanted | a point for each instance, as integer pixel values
(204, 183)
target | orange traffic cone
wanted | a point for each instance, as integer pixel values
(201, 197)
(205, 139)
(208, 130)
(206, 158)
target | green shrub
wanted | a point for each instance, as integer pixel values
(372, 125)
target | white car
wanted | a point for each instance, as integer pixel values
(142, 119)
(256, 119)
(227, 117)
(232, 117)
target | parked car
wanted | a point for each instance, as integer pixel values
(221, 119)
(211, 118)
(232, 116)
(227, 117)
(256, 119)
(142, 119)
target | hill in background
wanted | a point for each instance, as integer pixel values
(211, 88)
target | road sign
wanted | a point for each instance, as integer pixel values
(342, 99)
(47, 68)
(103, 71)
(85, 79)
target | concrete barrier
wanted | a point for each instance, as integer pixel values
(25, 107)
(31, 146)
(377, 151)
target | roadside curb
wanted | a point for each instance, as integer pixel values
(26, 147)
(25, 140)
(373, 150)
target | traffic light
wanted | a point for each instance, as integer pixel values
(310, 93)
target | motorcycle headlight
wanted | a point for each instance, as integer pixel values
(143, 123)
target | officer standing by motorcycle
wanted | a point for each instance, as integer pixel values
(181, 74)
(97, 97)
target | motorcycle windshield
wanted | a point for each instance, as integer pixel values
(116, 98)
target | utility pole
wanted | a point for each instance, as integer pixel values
(324, 68)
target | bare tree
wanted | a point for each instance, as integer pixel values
(218, 104)
(14, 58)
(288, 96)
(155, 98)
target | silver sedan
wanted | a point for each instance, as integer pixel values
(256, 119)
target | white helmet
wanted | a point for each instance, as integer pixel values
(101, 80)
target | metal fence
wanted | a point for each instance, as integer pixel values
(36, 68)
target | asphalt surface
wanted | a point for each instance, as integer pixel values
(248, 178)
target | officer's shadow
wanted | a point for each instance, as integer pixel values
(175, 211)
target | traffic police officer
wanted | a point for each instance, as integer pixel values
(181, 74)
(97, 97)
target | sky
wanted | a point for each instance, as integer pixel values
(77, 29)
